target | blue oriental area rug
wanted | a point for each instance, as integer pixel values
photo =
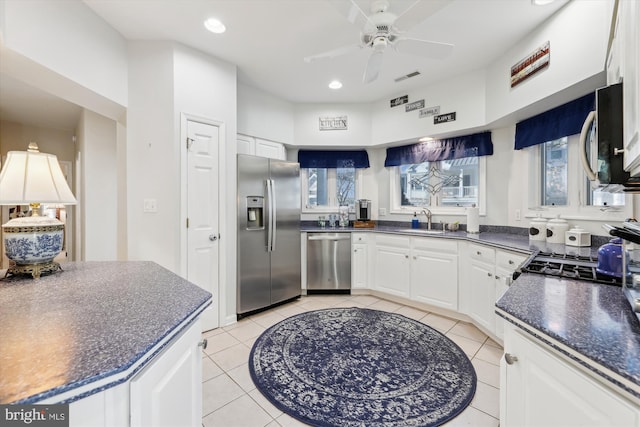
(360, 367)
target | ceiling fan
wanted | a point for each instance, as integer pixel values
(382, 29)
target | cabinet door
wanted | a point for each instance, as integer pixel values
(245, 145)
(392, 270)
(359, 266)
(270, 149)
(434, 278)
(542, 389)
(482, 294)
(168, 392)
(503, 279)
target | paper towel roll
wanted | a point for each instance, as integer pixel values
(473, 220)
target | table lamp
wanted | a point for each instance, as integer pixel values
(32, 242)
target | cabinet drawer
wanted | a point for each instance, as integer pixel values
(434, 244)
(509, 260)
(359, 238)
(388, 240)
(482, 253)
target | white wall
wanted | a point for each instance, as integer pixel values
(69, 39)
(264, 115)
(97, 137)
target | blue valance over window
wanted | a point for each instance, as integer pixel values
(478, 144)
(333, 159)
(559, 122)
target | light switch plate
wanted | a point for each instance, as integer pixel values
(150, 205)
(382, 211)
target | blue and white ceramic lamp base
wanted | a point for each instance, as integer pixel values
(31, 244)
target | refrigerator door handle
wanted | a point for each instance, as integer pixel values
(269, 214)
(274, 217)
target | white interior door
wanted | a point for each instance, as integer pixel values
(202, 214)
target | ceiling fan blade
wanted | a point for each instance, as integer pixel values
(333, 53)
(424, 48)
(352, 11)
(373, 66)
(418, 12)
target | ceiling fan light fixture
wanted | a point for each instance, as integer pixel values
(215, 26)
(335, 84)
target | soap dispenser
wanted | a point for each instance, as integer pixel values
(415, 223)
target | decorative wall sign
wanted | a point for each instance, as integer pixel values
(399, 101)
(443, 118)
(414, 106)
(333, 123)
(530, 65)
(431, 111)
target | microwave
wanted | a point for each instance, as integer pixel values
(601, 139)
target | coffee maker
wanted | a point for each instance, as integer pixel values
(363, 210)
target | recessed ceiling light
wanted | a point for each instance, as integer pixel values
(335, 84)
(215, 26)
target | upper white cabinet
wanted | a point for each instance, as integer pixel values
(627, 40)
(260, 147)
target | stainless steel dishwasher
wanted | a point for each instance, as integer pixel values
(328, 262)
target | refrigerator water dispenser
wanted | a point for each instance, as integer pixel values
(255, 213)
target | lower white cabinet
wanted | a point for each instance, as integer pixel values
(166, 392)
(540, 387)
(359, 261)
(391, 265)
(434, 272)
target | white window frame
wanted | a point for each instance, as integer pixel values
(397, 208)
(331, 182)
(577, 191)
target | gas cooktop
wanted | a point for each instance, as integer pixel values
(567, 266)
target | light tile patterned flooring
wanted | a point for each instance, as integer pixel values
(230, 399)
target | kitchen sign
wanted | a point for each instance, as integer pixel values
(333, 123)
(414, 106)
(443, 118)
(431, 111)
(399, 101)
(530, 65)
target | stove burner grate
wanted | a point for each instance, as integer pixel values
(567, 266)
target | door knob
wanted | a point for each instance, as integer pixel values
(510, 359)
(213, 237)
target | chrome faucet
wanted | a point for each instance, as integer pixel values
(427, 212)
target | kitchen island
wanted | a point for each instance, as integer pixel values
(92, 327)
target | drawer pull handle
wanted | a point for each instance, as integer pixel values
(510, 359)
(510, 261)
(489, 274)
(478, 253)
(203, 343)
(498, 277)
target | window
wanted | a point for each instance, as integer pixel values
(329, 187)
(447, 183)
(554, 173)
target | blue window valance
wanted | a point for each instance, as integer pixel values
(333, 159)
(475, 145)
(559, 122)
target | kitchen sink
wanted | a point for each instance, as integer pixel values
(422, 231)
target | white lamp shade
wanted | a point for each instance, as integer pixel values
(33, 177)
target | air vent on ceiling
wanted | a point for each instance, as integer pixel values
(407, 76)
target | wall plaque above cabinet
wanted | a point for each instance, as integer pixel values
(443, 118)
(333, 123)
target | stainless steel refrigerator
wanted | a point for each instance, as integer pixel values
(268, 232)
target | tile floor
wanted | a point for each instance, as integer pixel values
(229, 398)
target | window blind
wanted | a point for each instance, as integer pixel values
(333, 159)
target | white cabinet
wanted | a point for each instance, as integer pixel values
(260, 147)
(168, 391)
(540, 387)
(487, 276)
(359, 261)
(434, 272)
(391, 265)
(628, 41)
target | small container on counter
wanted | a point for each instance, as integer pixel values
(538, 229)
(577, 237)
(556, 228)
(415, 223)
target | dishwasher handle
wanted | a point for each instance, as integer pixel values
(330, 236)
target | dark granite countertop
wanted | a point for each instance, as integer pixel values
(593, 321)
(69, 330)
